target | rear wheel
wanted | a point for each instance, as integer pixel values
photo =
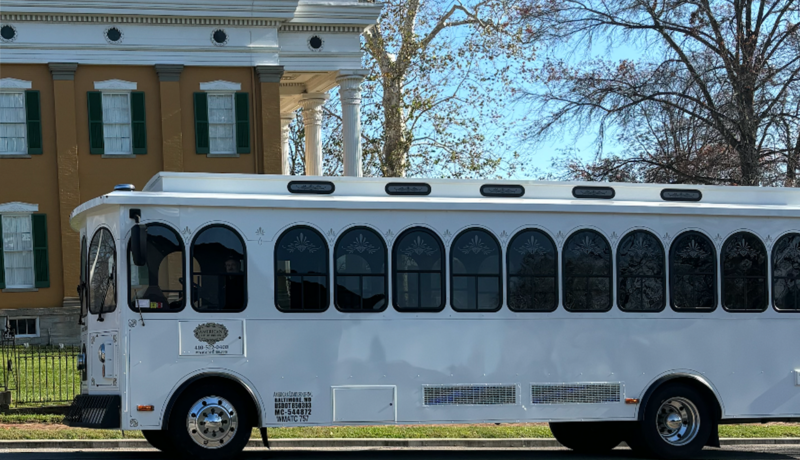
(211, 421)
(588, 437)
(677, 423)
(159, 439)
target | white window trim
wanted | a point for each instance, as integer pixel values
(15, 288)
(18, 207)
(22, 336)
(14, 85)
(220, 85)
(115, 85)
(232, 96)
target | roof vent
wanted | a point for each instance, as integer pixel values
(124, 188)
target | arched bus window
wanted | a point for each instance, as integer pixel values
(641, 273)
(475, 277)
(532, 260)
(587, 272)
(158, 285)
(102, 273)
(743, 262)
(301, 271)
(219, 270)
(360, 271)
(418, 271)
(692, 273)
(786, 273)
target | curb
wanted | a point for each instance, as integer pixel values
(328, 443)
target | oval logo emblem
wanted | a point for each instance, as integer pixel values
(211, 333)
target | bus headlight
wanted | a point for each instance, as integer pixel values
(81, 361)
(102, 353)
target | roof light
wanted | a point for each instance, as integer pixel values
(124, 188)
(676, 194)
(405, 188)
(315, 187)
(601, 193)
(507, 191)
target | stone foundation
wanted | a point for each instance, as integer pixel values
(56, 325)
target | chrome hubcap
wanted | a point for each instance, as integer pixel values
(678, 421)
(212, 422)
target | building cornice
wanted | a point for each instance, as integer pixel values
(320, 28)
(108, 19)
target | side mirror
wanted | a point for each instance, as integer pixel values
(139, 244)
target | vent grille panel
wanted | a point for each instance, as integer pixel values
(576, 393)
(469, 395)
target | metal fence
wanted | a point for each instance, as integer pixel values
(38, 374)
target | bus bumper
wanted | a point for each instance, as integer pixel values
(94, 411)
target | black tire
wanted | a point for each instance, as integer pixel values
(654, 436)
(588, 437)
(159, 439)
(238, 437)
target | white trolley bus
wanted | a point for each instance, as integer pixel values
(213, 304)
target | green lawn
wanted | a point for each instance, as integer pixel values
(42, 375)
(50, 427)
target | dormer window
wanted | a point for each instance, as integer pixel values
(117, 119)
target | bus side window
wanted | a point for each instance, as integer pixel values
(641, 273)
(786, 273)
(692, 273)
(301, 271)
(360, 271)
(418, 271)
(587, 272)
(83, 289)
(532, 260)
(219, 270)
(102, 273)
(158, 286)
(475, 277)
(743, 263)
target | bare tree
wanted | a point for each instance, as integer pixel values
(728, 68)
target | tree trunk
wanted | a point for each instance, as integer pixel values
(396, 140)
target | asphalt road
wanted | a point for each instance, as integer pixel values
(760, 452)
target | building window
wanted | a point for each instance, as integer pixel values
(641, 274)
(532, 271)
(744, 273)
(18, 251)
(20, 124)
(117, 119)
(222, 119)
(786, 273)
(360, 271)
(693, 273)
(418, 271)
(24, 327)
(475, 277)
(301, 271)
(587, 272)
(219, 270)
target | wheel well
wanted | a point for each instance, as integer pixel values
(692, 381)
(218, 380)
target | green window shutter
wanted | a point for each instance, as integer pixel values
(96, 142)
(2, 262)
(242, 123)
(201, 123)
(41, 263)
(138, 123)
(33, 112)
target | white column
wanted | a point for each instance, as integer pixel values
(312, 120)
(286, 119)
(350, 92)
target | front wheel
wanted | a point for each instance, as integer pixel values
(677, 423)
(587, 437)
(210, 422)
